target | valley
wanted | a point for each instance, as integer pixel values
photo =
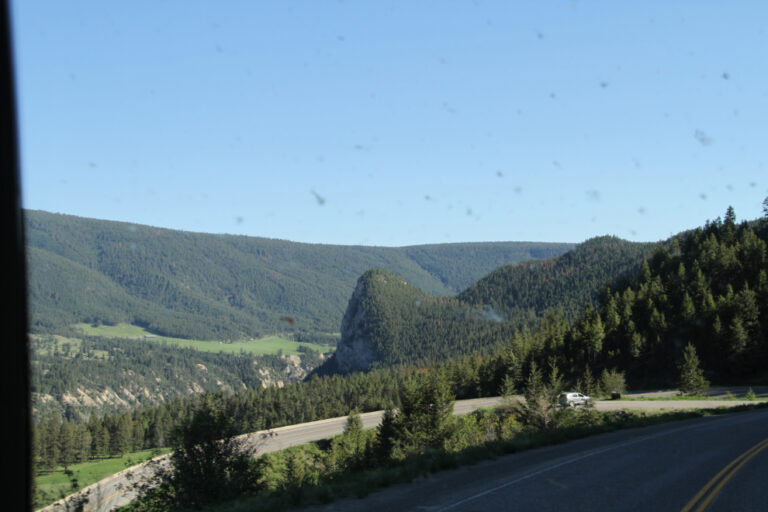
(604, 316)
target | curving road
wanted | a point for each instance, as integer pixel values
(716, 464)
(120, 489)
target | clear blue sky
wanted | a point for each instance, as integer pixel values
(395, 123)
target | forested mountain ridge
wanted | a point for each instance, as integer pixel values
(389, 321)
(567, 282)
(207, 286)
(707, 287)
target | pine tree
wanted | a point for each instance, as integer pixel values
(425, 413)
(82, 443)
(349, 450)
(555, 385)
(66, 440)
(538, 411)
(386, 434)
(122, 435)
(692, 381)
(687, 309)
(612, 383)
(209, 463)
(49, 440)
(588, 385)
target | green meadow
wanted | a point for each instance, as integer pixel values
(266, 345)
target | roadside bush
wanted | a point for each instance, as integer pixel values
(612, 383)
(467, 432)
(352, 450)
(540, 410)
(209, 464)
(425, 420)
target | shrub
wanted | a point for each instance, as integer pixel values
(612, 383)
(209, 464)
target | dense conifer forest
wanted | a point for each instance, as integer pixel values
(218, 287)
(405, 325)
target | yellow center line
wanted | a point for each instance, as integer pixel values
(731, 469)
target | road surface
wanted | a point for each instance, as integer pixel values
(120, 489)
(716, 464)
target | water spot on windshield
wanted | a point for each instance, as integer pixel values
(703, 138)
(320, 199)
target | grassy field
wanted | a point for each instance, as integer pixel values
(266, 345)
(53, 486)
(46, 344)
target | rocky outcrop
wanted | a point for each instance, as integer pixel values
(90, 398)
(295, 370)
(355, 351)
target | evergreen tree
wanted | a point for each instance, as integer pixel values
(425, 413)
(555, 385)
(534, 386)
(386, 434)
(687, 309)
(350, 450)
(121, 435)
(82, 443)
(209, 463)
(295, 470)
(588, 385)
(612, 382)
(66, 440)
(692, 381)
(538, 411)
(49, 441)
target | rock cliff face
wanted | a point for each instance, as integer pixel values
(355, 351)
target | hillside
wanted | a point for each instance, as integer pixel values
(391, 321)
(707, 287)
(209, 286)
(78, 375)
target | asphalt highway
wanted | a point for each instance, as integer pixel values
(716, 464)
(119, 490)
